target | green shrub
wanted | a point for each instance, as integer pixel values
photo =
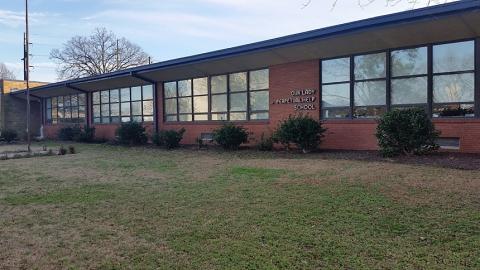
(71, 149)
(406, 132)
(69, 133)
(265, 143)
(169, 138)
(301, 130)
(86, 135)
(230, 136)
(9, 135)
(131, 133)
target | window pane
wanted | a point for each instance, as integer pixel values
(137, 108)
(170, 89)
(82, 100)
(148, 107)
(96, 120)
(171, 118)
(238, 102)
(49, 103)
(454, 110)
(66, 101)
(114, 96)
(148, 119)
(336, 70)
(126, 119)
(453, 88)
(171, 106)
(104, 96)
(200, 86)
(49, 114)
(185, 105)
(238, 82)
(96, 98)
(336, 112)
(96, 110)
(259, 79)
(201, 117)
(336, 95)
(67, 113)
(60, 101)
(200, 104)
(370, 93)
(409, 62)
(147, 92)
(75, 112)
(219, 116)
(370, 66)
(137, 119)
(184, 88)
(259, 101)
(259, 116)
(81, 111)
(409, 91)
(454, 57)
(125, 107)
(74, 100)
(125, 94)
(185, 117)
(219, 103)
(369, 112)
(54, 102)
(136, 93)
(238, 116)
(115, 109)
(105, 110)
(219, 84)
(115, 119)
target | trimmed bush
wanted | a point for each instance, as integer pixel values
(265, 143)
(69, 133)
(301, 130)
(9, 135)
(86, 135)
(406, 132)
(230, 136)
(131, 133)
(169, 138)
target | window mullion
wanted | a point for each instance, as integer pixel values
(430, 81)
(352, 86)
(388, 89)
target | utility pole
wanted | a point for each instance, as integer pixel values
(27, 74)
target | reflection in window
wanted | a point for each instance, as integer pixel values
(66, 109)
(123, 105)
(370, 98)
(336, 88)
(228, 99)
(370, 66)
(454, 79)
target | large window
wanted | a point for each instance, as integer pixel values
(400, 79)
(236, 97)
(123, 105)
(66, 109)
(336, 88)
(370, 98)
(454, 79)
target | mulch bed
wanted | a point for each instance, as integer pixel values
(440, 159)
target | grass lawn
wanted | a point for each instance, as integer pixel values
(118, 208)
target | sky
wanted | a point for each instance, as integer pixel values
(168, 29)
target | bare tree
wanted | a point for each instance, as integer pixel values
(5, 73)
(101, 52)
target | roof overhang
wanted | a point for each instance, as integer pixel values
(448, 22)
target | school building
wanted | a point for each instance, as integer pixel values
(346, 75)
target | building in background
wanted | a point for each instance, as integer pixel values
(13, 107)
(346, 75)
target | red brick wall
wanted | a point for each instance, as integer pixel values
(341, 134)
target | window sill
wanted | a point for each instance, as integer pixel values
(198, 123)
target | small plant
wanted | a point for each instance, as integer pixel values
(62, 151)
(169, 138)
(406, 132)
(131, 133)
(71, 149)
(9, 135)
(265, 143)
(69, 133)
(301, 130)
(86, 135)
(230, 136)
